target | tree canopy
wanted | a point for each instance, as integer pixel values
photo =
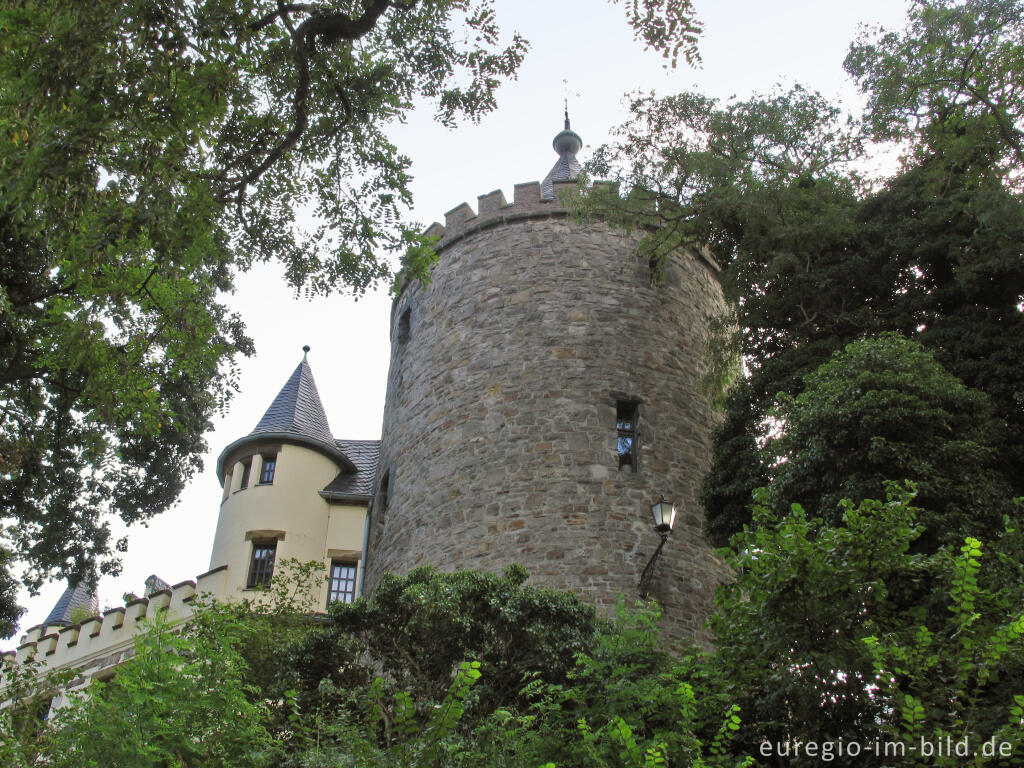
(883, 410)
(954, 71)
(817, 255)
(876, 336)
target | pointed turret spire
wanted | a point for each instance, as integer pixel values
(567, 143)
(296, 416)
(81, 598)
(297, 408)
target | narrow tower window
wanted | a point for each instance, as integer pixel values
(261, 567)
(246, 469)
(628, 444)
(342, 586)
(403, 325)
(267, 472)
(383, 491)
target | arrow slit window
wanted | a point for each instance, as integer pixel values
(627, 414)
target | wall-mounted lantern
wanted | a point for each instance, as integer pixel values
(664, 513)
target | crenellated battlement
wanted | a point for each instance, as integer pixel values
(103, 641)
(493, 209)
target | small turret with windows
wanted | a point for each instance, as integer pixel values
(291, 490)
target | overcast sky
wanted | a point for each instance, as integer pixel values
(748, 47)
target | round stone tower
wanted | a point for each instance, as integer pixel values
(541, 396)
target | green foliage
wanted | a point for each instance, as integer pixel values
(828, 629)
(819, 638)
(28, 691)
(789, 628)
(738, 466)
(668, 26)
(697, 172)
(149, 151)
(953, 230)
(535, 679)
(883, 410)
(975, 653)
(180, 700)
(511, 629)
(389, 731)
(951, 79)
(723, 350)
(627, 702)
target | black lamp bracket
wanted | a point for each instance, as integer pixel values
(648, 575)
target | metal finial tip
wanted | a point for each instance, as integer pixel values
(567, 114)
(305, 351)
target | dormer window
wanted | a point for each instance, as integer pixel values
(269, 465)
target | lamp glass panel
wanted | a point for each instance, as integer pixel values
(664, 513)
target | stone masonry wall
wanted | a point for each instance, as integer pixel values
(499, 439)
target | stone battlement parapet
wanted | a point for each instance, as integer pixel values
(493, 209)
(107, 639)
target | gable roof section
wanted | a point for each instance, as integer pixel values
(359, 485)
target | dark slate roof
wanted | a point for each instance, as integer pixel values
(365, 454)
(74, 598)
(298, 416)
(155, 584)
(566, 144)
(297, 409)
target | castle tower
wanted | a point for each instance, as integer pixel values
(541, 396)
(291, 490)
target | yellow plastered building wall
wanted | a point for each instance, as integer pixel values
(290, 511)
(99, 644)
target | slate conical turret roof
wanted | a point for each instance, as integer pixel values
(566, 144)
(297, 408)
(80, 598)
(296, 415)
